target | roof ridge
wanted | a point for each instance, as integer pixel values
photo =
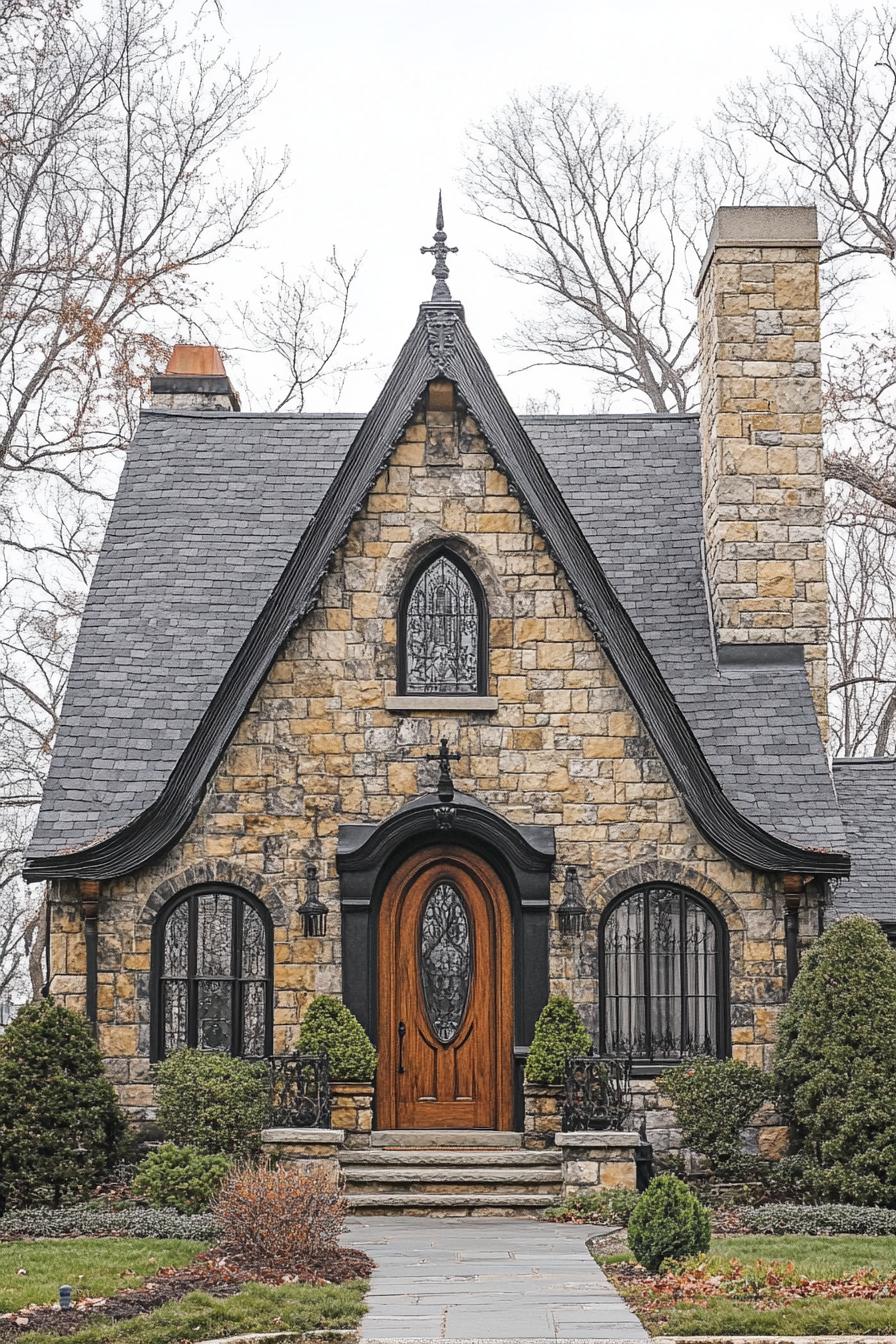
(863, 760)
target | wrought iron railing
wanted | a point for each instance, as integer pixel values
(300, 1091)
(597, 1093)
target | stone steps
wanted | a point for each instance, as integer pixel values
(446, 1157)
(492, 1203)
(449, 1172)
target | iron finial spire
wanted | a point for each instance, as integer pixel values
(440, 291)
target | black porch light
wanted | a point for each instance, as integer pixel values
(312, 910)
(572, 911)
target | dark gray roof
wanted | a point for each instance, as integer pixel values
(866, 790)
(209, 510)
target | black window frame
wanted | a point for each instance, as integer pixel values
(645, 1066)
(482, 627)
(157, 979)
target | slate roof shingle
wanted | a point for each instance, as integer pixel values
(209, 510)
(866, 790)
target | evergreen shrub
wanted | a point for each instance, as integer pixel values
(714, 1099)
(835, 1065)
(61, 1127)
(212, 1102)
(667, 1223)
(559, 1033)
(329, 1025)
(172, 1177)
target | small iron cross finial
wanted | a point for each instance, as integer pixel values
(440, 291)
(444, 758)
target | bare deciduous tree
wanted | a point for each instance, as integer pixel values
(596, 204)
(826, 113)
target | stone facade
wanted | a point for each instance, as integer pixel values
(761, 431)
(319, 746)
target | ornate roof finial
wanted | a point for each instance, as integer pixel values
(440, 291)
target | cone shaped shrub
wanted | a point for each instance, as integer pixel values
(835, 1064)
(211, 1102)
(667, 1223)
(559, 1033)
(329, 1025)
(61, 1127)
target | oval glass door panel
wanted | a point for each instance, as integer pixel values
(446, 959)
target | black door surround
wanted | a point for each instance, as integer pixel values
(368, 853)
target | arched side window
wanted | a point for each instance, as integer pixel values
(663, 976)
(443, 630)
(211, 975)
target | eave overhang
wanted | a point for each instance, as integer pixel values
(441, 346)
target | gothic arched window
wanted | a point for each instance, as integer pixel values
(211, 973)
(442, 630)
(663, 965)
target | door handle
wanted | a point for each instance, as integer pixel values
(402, 1029)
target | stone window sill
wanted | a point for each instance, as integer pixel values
(440, 703)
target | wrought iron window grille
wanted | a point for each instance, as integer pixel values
(299, 1090)
(597, 1093)
(663, 977)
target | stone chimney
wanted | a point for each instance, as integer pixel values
(760, 427)
(195, 380)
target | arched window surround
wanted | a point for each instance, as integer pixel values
(157, 978)
(414, 575)
(650, 1062)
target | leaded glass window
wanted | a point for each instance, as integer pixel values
(442, 631)
(213, 974)
(662, 975)
(446, 959)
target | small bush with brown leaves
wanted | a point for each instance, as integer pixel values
(280, 1219)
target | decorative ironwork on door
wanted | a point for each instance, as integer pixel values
(441, 632)
(446, 959)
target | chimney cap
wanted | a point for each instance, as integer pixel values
(196, 361)
(742, 226)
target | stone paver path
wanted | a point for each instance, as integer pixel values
(486, 1279)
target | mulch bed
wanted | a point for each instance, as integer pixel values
(210, 1272)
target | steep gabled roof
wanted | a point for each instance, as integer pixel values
(440, 345)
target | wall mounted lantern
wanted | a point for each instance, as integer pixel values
(573, 911)
(312, 910)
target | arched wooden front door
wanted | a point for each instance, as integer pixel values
(445, 996)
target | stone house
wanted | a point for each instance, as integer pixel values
(617, 623)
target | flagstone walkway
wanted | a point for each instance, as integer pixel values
(495, 1279)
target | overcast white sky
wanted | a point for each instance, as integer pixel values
(373, 100)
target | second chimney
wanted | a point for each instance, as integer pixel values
(760, 425)
(194, 380)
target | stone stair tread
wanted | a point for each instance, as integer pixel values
(448, 1157)
(477, 1175)
(404, 1200)
(445, 1138)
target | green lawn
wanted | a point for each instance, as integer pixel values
(93, 1266)
(293, 1307)
(814, 1257)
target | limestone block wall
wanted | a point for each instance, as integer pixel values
(761, 431)
(319, 747)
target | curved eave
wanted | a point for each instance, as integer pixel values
(459, 359)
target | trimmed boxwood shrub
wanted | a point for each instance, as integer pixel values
(667, 1223)
(559, 1033)
(329, 1025)
(835, 1065)
(211, 1102)
(61, 1127)
(178, 1178)
(714, 1099)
